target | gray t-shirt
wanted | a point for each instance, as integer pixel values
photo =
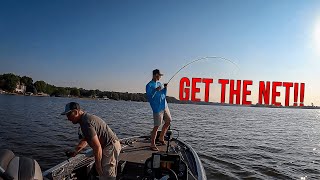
(92, 125)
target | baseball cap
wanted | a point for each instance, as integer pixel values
(156, 71)
(70, 106)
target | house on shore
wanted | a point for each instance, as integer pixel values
(20, 88)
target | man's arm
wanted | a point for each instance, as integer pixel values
(97, 151)
(82, 144)
(151, 91)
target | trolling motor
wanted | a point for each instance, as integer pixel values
(168, 137)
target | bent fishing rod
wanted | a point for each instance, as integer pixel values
(200, 59)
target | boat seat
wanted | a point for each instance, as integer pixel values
(20, 168)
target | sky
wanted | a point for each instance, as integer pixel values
(115, 45)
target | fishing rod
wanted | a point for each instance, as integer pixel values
(203, 58)
(200, 59)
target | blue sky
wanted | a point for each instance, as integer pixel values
(114, 45)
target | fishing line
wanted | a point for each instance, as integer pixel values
(203, 58)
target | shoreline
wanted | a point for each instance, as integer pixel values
(177, 102)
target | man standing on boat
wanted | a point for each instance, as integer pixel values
(156, 94)
(104, 142)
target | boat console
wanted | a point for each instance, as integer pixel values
(165, 166)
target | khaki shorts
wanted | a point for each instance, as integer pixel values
(110, 158)
(160, 116)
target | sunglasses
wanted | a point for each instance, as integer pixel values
(69, 113)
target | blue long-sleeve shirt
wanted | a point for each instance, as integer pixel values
(157, 99)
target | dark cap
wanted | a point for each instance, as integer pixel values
(156, 71)
(70, 106)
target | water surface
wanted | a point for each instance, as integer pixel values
(232, 142)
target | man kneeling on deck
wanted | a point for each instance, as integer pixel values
(104, 142)
(157, 98)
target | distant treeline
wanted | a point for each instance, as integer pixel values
(9, 82)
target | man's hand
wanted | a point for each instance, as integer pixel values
(82, 144)
(71, 154)
(165, 85)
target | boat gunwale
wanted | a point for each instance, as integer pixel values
(201, 175)
(200, 169)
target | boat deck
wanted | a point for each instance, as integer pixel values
(138, 150)
(134, 154)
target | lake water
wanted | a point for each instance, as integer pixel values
(232, 142)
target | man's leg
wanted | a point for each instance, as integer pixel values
(157, 117)
(167, 119)
(109, 161)
(154, 135)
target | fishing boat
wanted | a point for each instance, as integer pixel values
(175, 161)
